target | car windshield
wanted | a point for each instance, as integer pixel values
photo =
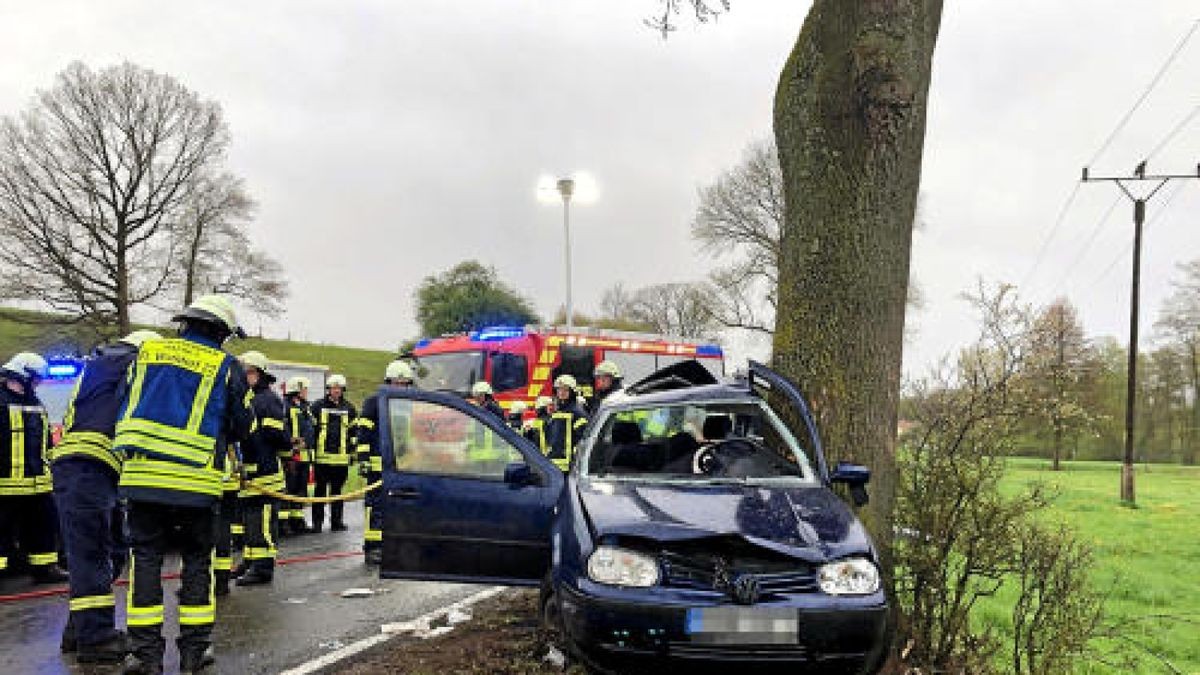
(700, 442)
(449, 372)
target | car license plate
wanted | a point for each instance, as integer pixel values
(743, 625)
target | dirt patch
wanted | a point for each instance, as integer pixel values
(502, 636)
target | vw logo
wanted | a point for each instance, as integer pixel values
(744, 589)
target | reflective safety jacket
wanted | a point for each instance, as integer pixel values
(186, 399)
(268, 439)
(563, 430)
(333, 422)
(366, 434)
(24, 445)
(299, 424)
(535, 431)
(91, 419)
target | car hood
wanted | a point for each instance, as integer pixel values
(810, 523)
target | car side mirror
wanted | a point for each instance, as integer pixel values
(520, 474)
(855, 477)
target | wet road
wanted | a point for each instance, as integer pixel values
(263, 629)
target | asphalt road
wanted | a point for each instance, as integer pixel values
(263, 629)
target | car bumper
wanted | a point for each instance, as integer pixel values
(616, 631)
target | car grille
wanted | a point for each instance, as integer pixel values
(715, 573)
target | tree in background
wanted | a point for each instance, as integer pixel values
(95, 176)
(1179, 325)
(678, 309)
(215, 250)
(1062, 367)
(467, 297)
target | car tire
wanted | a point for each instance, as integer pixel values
(555, 630)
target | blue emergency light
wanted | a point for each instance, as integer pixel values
(494, 333)
(63, 370)
(422, 343)
(708, 350)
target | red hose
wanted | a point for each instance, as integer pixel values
(63, 590)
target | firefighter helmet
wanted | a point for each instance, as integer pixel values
(215, 309)
(255, 359)
(544, 402)
(609, 368)
(296, 384)
(481, 388)
(398, 371)
(567, 381)
(336, 380)
(25, 367)
(137, 337)
(518, 407)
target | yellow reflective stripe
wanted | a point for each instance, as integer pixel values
(563, 464)
(143, 616)
(197, 615)
(198, 442)
(258, 553)
(150, 473)
(376, 464)
(43, 558)
(237, 529)
(222, 564)
(69, 416)
(92, 602)
(104, 456)
(365, 423)
(272, 423)
(16, 425)
(266, 527)
(248, 398)
(3, 563)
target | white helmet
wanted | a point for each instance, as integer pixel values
(336, 380)
(518, 407)
(609, 368)
(296, 384)
(398, 371)
(481, 388)
(544, 402)
(213, 308)
(257, 360)
(26, 366)
(137, 337)
(567, 381)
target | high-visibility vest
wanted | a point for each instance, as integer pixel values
(566, 425)
(173, 421)
(333, 433)
(24, 446)
(481, 445)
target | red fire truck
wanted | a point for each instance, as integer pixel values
(521, 363)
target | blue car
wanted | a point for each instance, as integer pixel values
(697, 523)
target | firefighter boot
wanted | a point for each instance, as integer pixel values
(112, 650)
(256, 575)
(374, 557)
(221, 583)
(69, 643)
(134, 665)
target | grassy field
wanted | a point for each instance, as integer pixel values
(1147, 558)
(363, 368)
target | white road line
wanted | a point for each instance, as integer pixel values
(326, 660)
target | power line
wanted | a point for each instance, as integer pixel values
(1178, 187)
(1175, 131)
(1100, 225)
(1058, 221)
(1146, 93)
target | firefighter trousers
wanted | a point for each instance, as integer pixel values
(92, 526)
(262, 531)
(373, 515)
(29, 522)
(153, 530)
(229, 531)
(330, 480)
(296, 475)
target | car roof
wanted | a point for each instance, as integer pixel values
(723, 391)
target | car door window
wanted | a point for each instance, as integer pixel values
(428, 438)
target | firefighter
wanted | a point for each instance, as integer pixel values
(333, 416)
(260, 466)
(85, 472)
(566, 423)
(398, 374)
(230, 531)
(299, 457)
(516, 415)
(535, 429)
(26, 505)
(606, 380)
(483, 396)
(186, 400)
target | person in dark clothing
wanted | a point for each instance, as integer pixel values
(535, 429)
(567, 423)
(260, 464)
(483, 396)
(398, 374)
(333, 416)
(301, 430)
(27, 514)
(186, 401)
(606, 381)
(85, 472)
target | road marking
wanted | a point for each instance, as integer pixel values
(318, 664)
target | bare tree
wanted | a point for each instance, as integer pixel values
(674, 309)
(216, 254)
(94, 176)
(1179, 323)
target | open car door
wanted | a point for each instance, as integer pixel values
(466, 498)
(785, 399)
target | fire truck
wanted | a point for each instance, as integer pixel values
(521, 363)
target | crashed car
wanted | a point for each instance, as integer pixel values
(698, 521)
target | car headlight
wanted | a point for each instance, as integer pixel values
(853, 576)
(622, 567)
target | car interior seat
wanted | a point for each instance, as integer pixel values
(717, 427)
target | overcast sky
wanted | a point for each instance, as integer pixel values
(385, 141)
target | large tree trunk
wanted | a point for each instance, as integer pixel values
(850, 127)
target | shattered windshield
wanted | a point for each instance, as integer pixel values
(701, 442)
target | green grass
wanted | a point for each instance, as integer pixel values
(1147, 558)
(363, 368)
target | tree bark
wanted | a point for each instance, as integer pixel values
(850, 129)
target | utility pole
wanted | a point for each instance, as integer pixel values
(566, 188)
(1139, 219)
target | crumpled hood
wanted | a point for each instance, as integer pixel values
(806, 522)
